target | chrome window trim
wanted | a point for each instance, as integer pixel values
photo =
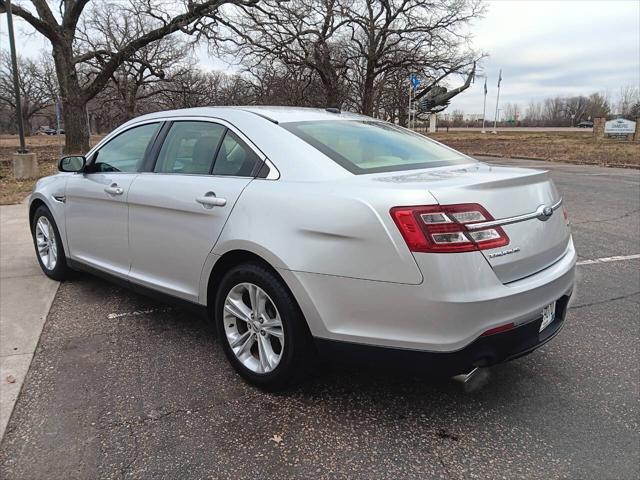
(274, 173)
(511, 220)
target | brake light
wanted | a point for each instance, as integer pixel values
(443, 228)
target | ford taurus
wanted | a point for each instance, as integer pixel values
(308, 232)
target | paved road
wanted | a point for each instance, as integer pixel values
(122, 387)
(489, 127)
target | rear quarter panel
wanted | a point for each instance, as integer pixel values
(331, 228)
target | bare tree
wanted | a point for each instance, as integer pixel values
(85, 60)
(37, 86)
(511, 111)
(628, 97)
(409, 34)
(534, 117)
(552, 110)
(599, 105)
(301, 35)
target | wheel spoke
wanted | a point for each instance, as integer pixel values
(246, 346)
(238, 309)
(261, 299)
(253, 298)
(40, 227)
(262, 355)
(242, 338)
(275, 332)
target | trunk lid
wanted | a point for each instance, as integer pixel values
(535, 242)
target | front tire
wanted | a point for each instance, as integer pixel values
(261, 328)
(48, 245)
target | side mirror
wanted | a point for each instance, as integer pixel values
(72, 163)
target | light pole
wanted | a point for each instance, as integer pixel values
(16, 80)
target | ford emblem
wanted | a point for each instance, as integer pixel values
(544, 213)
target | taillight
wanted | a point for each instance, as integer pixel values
(443, 228)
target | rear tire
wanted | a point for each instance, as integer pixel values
(257, 314)
(48, 245)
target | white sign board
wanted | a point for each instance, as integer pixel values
(619, 126)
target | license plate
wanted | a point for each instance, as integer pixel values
(548, 314)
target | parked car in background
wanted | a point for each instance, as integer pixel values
(306, 232)
(49, 131)
(585, 124)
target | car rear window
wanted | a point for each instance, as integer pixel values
(372, 146)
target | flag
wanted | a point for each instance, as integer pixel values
(499, 78)
(485, 85)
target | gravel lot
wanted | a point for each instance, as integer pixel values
(124, 387)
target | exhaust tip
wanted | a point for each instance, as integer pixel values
(473, 380)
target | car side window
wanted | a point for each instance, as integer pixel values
(235, 158)
(189, 148)
(125, 153)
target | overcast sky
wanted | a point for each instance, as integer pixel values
(550, 48)
(545, 48)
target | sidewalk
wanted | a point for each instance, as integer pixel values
(25, 298)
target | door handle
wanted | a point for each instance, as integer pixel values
(114, 189)
(209, 200)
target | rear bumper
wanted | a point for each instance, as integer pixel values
(482, 352)
(460, 299)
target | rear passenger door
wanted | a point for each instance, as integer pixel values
(178, 208)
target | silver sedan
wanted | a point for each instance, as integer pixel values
(312, 234)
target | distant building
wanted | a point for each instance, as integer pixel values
(472, 117)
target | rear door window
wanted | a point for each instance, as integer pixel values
(235, 158)
(190, 148)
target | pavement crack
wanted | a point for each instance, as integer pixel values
(600, 302)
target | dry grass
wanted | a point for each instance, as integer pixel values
(47, 148)
(570, 147)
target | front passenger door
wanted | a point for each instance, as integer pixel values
(96, 201)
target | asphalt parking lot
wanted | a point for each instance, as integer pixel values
(125, 387)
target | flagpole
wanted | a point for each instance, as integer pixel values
(495, 118)
(484, 107)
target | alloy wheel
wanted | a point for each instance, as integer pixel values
(253, 328)
(46, 243)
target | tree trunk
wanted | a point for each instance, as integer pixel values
(403, 117)
(74, 114)
(73, 99)
(332, 97)
(26, 121)
(367, 93)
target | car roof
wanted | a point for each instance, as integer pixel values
(275, 114)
